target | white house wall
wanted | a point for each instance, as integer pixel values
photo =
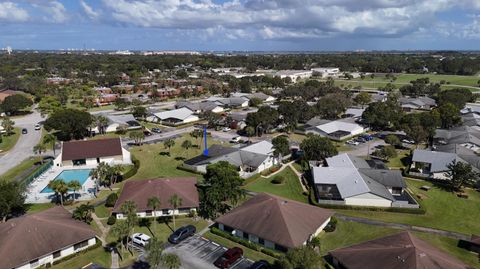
(63, 253)
(159, 213)
(368, 199)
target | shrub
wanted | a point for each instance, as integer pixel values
(111, 220)
(331, 226)
(111, 199)
(278, 180)
(130, 173)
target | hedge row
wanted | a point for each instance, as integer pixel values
(244, 242)
(187, 169)
(130, 173)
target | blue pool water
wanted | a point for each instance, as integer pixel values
(69, 175)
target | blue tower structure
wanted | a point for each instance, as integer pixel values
(205, 145)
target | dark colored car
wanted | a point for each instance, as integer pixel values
(261, 264)
(147, 133)
(229, 257)
(156, 130)
(24, 131)
(182, 233)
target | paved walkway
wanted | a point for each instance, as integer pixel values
(453, 235)
(290, 164)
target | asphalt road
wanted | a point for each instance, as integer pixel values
(362, 150)
(24, 147)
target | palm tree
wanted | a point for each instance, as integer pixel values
(154, 250)
(197, 133)
(129, 209)
(115, 172)
(102, 122)
(121, 230)
(186, 145)
(100, 174)
(53, 186)
(50, 139)
(59, 187)
(7, 125)
(171, 261)
(83, 213)
(75, 186)
(153, 202)
(39, 149)
(175, 202)
(168, 144)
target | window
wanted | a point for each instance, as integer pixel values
(165, 212)
(280, 248)
(56, 254)
(34, 263)
(245, 235)
(261, 241)
(80, 245)
(148, 213)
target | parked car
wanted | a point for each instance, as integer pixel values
(140, 239)
(229, 257)
(226, 129)
(352, 142)
(147, 133)
(37, 127)
(236, 139)
(261, 264)
(182, 233)
(156, 130)
(367, 137)
(24, 131)
(407, 141)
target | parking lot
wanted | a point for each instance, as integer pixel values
(200, 253)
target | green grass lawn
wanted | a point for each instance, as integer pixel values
(351, 233)
(154, 162)
(34, 208)
(102, 212)
(445, 210)
(401, 161)
(247, 252)
(20, 168)
(290, 188)
(97, 255)
(9, 141)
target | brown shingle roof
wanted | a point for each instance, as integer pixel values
(398, 251)
(76, 150)
(28, 237)
(139, 191)
(279, 220)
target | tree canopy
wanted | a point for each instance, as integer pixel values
(318, 148)
(70, 123)
(14, 103)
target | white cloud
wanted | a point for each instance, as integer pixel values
(88, 10)
(11, 12)
(52, 10)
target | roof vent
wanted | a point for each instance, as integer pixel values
(400, 259)
(356, 181)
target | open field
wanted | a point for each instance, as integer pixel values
(290, 188)
(8, 142)
(445, 210)
(19, 169)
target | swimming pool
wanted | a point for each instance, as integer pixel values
(69, 175)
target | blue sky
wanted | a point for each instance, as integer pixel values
(241, 24)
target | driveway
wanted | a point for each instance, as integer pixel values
(364, 149)
(24, 147)
(199, 253)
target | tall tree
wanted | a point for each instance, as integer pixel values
(171, 261)
(7, 125)
(363, 99)
(137, 136)
(83, 213)
(122, 231)
(155, 251)
(60, 188)
(221, 187)
(168, 144)
(14, 103)
(301, 258)
(129, 209)
(75, 186)
(461, 175)
(39, 148)
(12, 198)
(281, 145)
(154, 203)
(71, 123)
(139, 112)
(187, 144)
(196, 133)
(317, 148)
(50, 139)
(332, 105)
(449, 115)
(175, 201)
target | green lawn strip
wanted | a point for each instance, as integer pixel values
(153, 164)
(98, 256)
(20, 168)
(95, 227)
(290, 188)
(9, 141)
(445, 210)
(102, 212)
(400, 161)
(449, 245)
(247, 252)
(34, 208)
(351, 233)
(298, 167)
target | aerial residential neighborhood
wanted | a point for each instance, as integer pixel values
(239, 134)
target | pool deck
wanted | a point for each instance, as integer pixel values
(34, 190)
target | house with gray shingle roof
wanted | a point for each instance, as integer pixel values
(349, 180)
(419, 103)
(434, 164)
(250, 160)
(199, 107)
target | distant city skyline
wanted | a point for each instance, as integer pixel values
(241, 25)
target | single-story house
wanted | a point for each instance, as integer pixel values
(38, 239)
(114, 121)
(349, 180)
(92, 152)
(353, 112)
(139, 191)
(419, 103)
(399, 251)
(275, 222)
(231, 102)
(260, 95)
(337, 130)
(199, 107)
(174, 117)
(250, 160)
(471, 119)
(294, 74)
(463, 135)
